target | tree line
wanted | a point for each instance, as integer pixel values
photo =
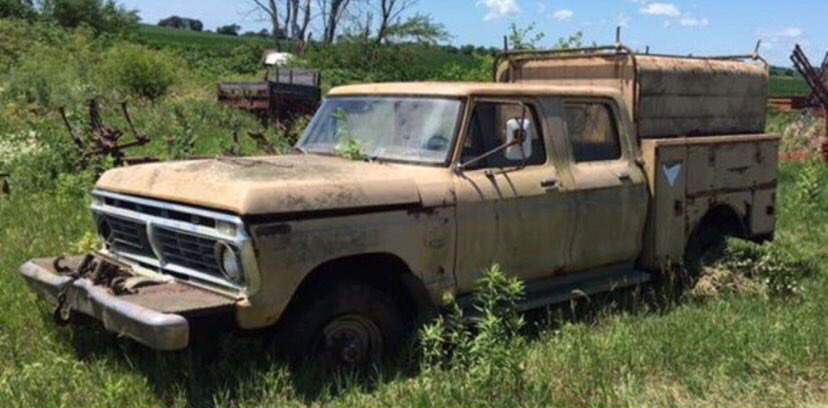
(102, 16)
(379, 21)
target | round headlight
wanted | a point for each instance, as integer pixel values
(230, 263)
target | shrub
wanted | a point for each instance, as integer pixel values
(141, 72)
(780, 269)
(47, 76)
(488, 354)
(808, 189)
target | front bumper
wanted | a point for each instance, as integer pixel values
(133, 316)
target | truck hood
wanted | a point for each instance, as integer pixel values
(269, 185)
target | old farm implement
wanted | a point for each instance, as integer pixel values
(817, 79)
(106, 141)
(283, 95)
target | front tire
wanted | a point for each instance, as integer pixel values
(346, 324)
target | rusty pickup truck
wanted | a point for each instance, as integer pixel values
(582, 171)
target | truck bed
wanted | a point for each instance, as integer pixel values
(688, 176)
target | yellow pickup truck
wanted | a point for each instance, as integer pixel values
(581, 171)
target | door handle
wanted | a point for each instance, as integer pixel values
(550, 184)
(624, 177)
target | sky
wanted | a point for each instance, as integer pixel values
(698, 27)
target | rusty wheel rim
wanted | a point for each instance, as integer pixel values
(352, 340)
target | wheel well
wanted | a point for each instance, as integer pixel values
(382, 271)
(724, 219)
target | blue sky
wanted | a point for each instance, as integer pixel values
(700, 27)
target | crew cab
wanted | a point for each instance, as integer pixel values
(580, 172)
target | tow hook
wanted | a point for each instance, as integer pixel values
(62, 315)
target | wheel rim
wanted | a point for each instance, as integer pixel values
(352, 340)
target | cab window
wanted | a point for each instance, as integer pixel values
(592, 132)
(493, 124)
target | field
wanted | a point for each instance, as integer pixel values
(789, 86)
(156, 36)
(753, 334)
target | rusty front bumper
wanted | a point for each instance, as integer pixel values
(144, 318)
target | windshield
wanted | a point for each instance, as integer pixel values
(393, 128)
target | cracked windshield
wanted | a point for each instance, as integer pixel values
(392, 128)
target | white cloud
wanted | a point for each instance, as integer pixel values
(563, 15)
(791, 32)
(623, 20)
(499, 8)
(693, 22)
(660, 9)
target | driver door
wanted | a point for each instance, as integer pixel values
(511, 206)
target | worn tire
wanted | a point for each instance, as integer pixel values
(705, 238)
(343, 324)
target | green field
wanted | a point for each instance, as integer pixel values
(789, 86)
(164, 37)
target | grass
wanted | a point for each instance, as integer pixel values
(744, 349)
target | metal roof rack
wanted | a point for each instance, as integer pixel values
(609, 50)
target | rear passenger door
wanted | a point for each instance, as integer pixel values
(610, 188)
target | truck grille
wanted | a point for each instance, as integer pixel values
(173, 239)
(176, 248)
(189, 251)
(128, 236)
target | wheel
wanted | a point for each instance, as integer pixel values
(348, 324)
(705, 237)
(705, 240)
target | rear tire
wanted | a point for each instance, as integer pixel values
(705, 239)
(344, 325)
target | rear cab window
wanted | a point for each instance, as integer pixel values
(593, 131)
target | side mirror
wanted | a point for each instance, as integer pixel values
(517, 146)
(517, 138)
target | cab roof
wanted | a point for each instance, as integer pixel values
(465, 89)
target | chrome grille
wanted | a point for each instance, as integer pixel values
(128, 236)
(189, 251)
(174, 239)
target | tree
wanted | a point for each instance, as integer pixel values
(182, 23)
(573, 41)
(271, 9)
(332, 13)
(420, 29)
(390, 11)
(293, 22)
(17, 9)
(230, 29)
(524, 38)
(195, 25)
(104, 16)
(172, 22)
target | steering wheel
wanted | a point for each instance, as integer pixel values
(437, 143)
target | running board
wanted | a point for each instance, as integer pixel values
(561, 289)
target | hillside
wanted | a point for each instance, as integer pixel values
(156, 36)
